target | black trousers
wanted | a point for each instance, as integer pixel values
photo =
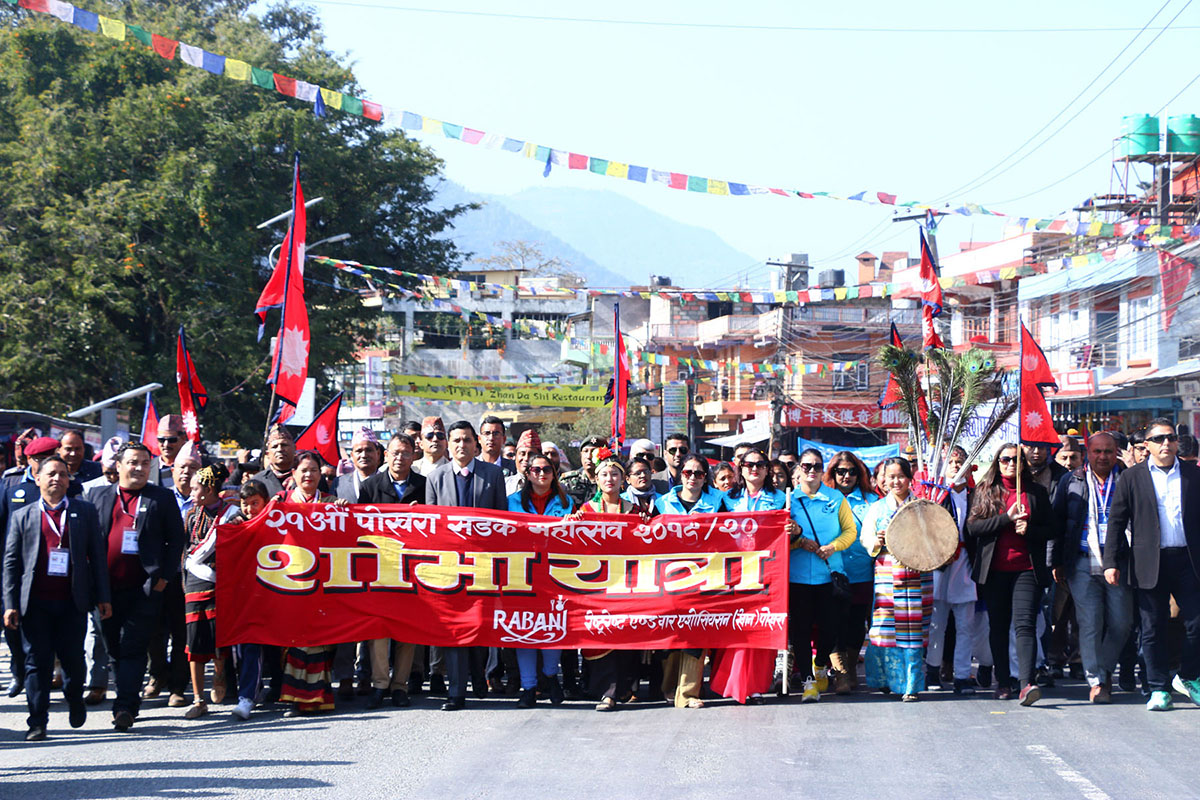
(1013, 600)
(17, 650)
(853, 619)
(171, 671)
(1177, 577)
(810, 605)
(464, 662)
(49, 629)
(612, 674)
(127, 634)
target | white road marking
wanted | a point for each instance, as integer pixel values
(1072, 776)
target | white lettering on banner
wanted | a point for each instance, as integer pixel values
(375, 520)
(465, 527)
(594, 531)
(330, 518)
(532, 627)
(602, 622)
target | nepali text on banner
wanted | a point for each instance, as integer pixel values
(317, 574)
(480, 391)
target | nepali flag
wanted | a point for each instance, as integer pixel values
(150, 426)
(618, 391)
(891, 392)
(292, 252)
(1033, 413)
(289, 369)
(192, 395)
(931, 297)
(321, 435)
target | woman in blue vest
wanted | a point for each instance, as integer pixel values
(827, 527)
(683, 670)
(744, 673)
(848, 475)
(540, 495)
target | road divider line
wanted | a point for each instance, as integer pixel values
(1069, 774)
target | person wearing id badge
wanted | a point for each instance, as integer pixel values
(1104, 613)
(143, 539)
(54, 574)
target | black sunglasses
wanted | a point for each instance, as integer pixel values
(845, 472)
(168, 439)
(1162, 438)
(753, 464)
(694, 473)
(1007, 459)
(810, 467)
(540, 470)
(433, 436)
(676, 450)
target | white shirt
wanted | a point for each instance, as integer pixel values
(1170, 505)
(424, 468)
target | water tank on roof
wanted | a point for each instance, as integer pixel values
(831, 278)
(1183, 134)
(1139, 135)
(660, 280)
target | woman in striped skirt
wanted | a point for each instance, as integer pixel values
(895, 660)
(308, 671)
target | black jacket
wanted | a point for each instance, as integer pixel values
(1135, 507)
(1070, 516)
(379, 489)
(981, 535)
(161, 538)
(89, 560)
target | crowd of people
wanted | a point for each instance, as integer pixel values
(1086, 564)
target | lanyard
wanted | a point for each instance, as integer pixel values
(137, 502)
(59, 532)
(1101, 508)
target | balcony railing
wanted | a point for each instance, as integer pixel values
(867, 317)
(743, 327)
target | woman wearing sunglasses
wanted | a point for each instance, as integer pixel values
(683, 670)
(541, 495)
(826, 527)
(848, 475)
(895, 660)
(1009, 533)
(745, 673)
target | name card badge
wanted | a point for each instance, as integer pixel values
(59, 562)
(1102, 531)
(129, 542)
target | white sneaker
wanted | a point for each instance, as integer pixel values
(243, 708)
(811, 695)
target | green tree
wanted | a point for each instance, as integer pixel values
(130, 188)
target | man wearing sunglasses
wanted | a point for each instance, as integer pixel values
(676, 450)
(433, 445)
(171, 439)
(1157, 505)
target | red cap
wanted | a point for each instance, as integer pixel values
(41, 446)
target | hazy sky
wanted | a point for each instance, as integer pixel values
(917, 99)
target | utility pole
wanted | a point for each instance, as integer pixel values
(929, 221)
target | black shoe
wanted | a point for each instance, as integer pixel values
(527, 699)
(437, 685)
(571, 691)
(933, 678)
(1127, 683)
(16, 687)
(78, 715)
(400, 698)
(1076, 672)
(1044, 677)
(984, 677)
(964, 686)
(479, 689)
(455, 704)
(415, 685)
(1058, 672)
(512, 688)
(37, 733)
(556, 691)
(375, 700)
(122, 720)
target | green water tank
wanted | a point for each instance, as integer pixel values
(1183, 134)
(1139, 135)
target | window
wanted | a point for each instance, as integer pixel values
(1140, 327)
(856, 380)
(719, 309)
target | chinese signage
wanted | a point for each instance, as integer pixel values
(843, 415)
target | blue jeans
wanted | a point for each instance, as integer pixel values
(527, 664)
(48, 629)
(1105, 617)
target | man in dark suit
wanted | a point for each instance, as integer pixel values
(54, 574)
(13, 497)
(279, 456)
(396, 483)
(469, 483)
(144, 539)
(365, 455)
(1157, 503)
(491, 445)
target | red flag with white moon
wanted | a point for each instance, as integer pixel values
(321, 434)
(1036, 425)
(192, 394)
(290, 366)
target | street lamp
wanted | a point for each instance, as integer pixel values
(288, 213)
(341, 237)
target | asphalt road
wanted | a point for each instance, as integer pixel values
(862, 746)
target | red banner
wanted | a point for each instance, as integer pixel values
(310, 575)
